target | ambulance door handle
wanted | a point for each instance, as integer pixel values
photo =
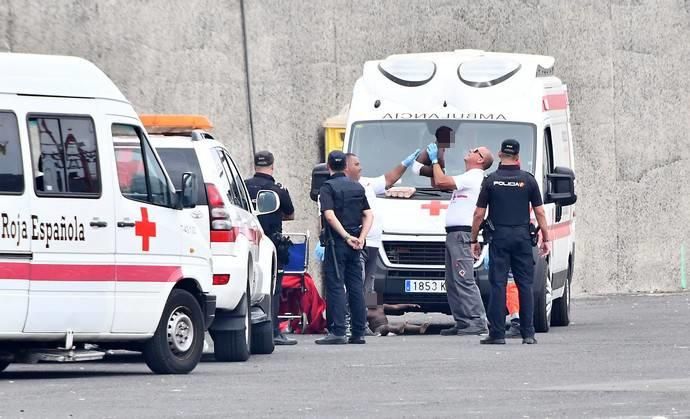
(123, 224)
(96, 223)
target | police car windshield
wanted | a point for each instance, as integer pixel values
(381, 145)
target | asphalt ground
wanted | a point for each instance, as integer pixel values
(623, 356)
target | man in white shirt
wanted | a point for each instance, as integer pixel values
(374, 186)
(464, 298)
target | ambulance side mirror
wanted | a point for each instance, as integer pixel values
(267, 202)
(186, 196)
(561, 187)
(319, 174)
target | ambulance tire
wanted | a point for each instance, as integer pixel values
(262, 338)
(166, 355)
(3, 365)
(542, 298)
(234, 345)
(561, 308)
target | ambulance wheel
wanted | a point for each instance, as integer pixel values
(178, 343)
(234, 345)
(262, 338)
(561, 308)
(542, 300)
(3, 365)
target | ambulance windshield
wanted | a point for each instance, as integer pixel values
(381, 145)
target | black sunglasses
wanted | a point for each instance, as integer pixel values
(476, 150)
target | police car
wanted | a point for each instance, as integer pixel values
(485, 97)
(244, 261)
(95, 244)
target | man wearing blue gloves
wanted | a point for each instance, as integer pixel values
(464, 298)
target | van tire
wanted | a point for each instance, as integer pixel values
(262, 338)
(542, 300)
(3, 365)
(234, 345)
(165, 354)
(561, 308)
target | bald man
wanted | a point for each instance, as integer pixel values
(464, 298)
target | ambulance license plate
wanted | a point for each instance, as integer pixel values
(432, 286)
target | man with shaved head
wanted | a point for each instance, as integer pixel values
(464, 298)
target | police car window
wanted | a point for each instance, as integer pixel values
(140, 176)
(180, 160)
(11, 171)
(241, 191)
(227, 182)
(65, 155)
(400, 137)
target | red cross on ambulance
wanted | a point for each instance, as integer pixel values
(145, 229)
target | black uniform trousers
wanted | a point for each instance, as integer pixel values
(511, 248)
(350, 268)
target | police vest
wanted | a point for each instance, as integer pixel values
(349, 198)
(509, 199)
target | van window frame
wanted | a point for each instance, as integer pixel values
(78, 195)
(21, 157)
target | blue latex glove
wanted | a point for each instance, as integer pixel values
(432, 151)
(319, 252)
(410, 159)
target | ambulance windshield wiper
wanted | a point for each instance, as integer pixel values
(430, 191)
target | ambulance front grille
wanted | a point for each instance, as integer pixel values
(415, 253)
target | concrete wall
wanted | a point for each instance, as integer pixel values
(624, 62)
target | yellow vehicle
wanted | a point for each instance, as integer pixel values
(334, 132)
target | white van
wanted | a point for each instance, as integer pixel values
(94, 245)
(485, 97)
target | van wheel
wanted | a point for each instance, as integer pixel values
(178, 343)
(262, 338)
(543, 303)
(561, 308)
(234, 345)
(3, 365)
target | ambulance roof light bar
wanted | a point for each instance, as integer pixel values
(409, 72)
(174, 124)
(487, 71)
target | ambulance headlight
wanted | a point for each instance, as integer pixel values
(408, 72)
(487, 71)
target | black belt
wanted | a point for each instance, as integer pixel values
(453, 229)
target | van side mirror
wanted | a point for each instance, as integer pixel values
(561, 187)
(319, 174)
(186, 196)
(267, 202)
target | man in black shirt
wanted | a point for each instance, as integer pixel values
(272, 225)
(509, 192)
(346, 219)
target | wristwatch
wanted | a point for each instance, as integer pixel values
(347, 237)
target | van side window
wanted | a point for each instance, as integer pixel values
(140, 175)
(65, 155)
(11, 171)
(242, 192)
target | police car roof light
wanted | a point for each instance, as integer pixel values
(171, 123)
(408, 72)
(487, 71)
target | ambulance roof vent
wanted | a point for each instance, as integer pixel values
(487, 71)
(410, 72)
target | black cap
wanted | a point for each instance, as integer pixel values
(263, 158)
(510, 146)
(336, 160)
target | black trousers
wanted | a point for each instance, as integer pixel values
(511, 248)
(350, 267)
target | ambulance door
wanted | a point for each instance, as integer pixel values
(147, 238)
(71, 222)
(552, 210)
(562, 215)
(15, 219)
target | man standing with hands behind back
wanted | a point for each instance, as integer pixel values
(509, 192)
(464, 298)
(347, 219)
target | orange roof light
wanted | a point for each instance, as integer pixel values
(162, 124)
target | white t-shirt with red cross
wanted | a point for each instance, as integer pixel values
(464, 199)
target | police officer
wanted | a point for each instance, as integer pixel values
(508, 192)
(272, 225)
(346, 218)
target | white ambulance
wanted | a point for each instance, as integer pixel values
(94, 247)
(244, 261)
(397, 105)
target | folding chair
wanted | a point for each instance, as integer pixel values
(297, 265)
